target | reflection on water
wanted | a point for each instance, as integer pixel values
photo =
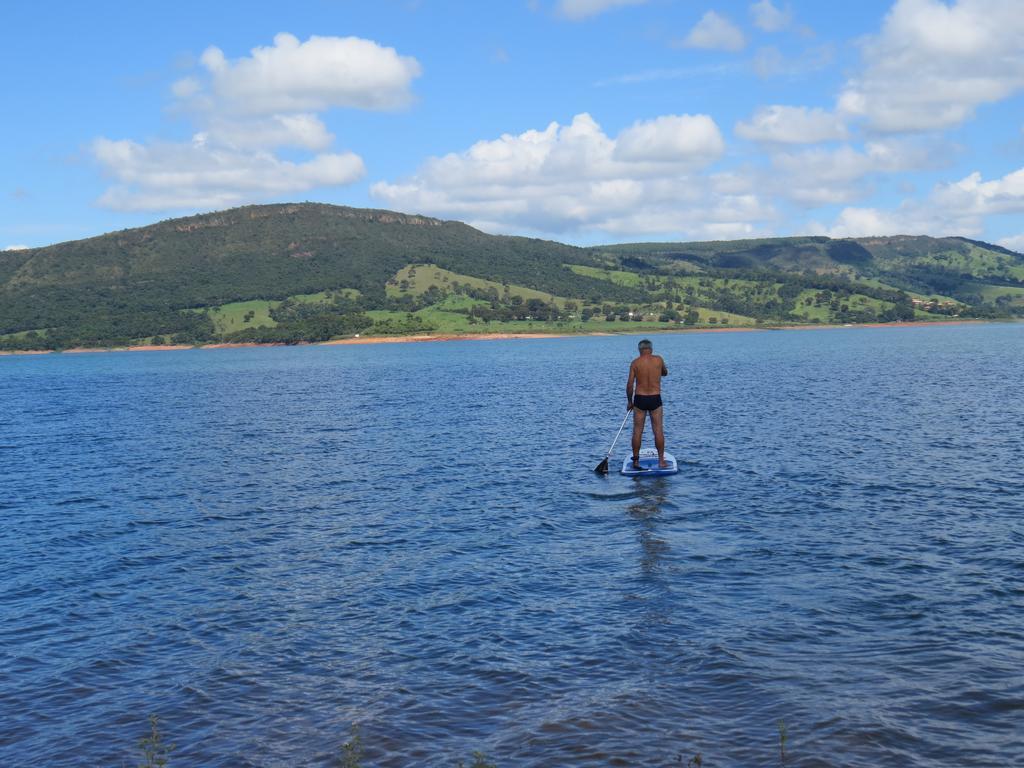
(653, 499)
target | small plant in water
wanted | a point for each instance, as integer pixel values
(352, 750)
(697, 761)
(154, 751)
(783, 733)
(479, 761)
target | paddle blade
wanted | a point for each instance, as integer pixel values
(602, 468)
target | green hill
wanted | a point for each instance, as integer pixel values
(132, 284)
(952, 266)
(309, 271)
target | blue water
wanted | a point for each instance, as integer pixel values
(265, 546)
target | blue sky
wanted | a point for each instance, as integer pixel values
(585, 121)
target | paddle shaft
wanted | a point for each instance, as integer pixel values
(617, 434)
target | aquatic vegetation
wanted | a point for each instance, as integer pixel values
(479, 761)
(352, 750)
(155, 752)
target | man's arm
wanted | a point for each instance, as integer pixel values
(664, 370)
(629, 386)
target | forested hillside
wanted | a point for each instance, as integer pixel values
(310, 271)
(969, 271)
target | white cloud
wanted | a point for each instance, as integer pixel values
(768, 17)
(576, 179)
(933, 64)
(16, 248)
(305, 131)
(955, 208)
(671, 138)
(1014, 243)
(867, 222)
(167, 176)
(971, 195)
(716, 32)
(581, 9)
(818, 176)
(792, 125)
(247, 109)
(292, 76)
(910, 218)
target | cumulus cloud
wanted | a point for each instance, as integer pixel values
(162, 176)
(867, 222)
(16, 248)
(582, 9)
(1014, 243)
(911, 218)
(792, 125)
(769, 18)
(248, 109)
(293, 76)
(305, 131)
(575, 178)
(670, 139)
(971, 195)
(715, 32)
(819, 176)
(954, 208)
(933, 64)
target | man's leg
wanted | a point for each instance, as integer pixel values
(658, 427)
(638, 433)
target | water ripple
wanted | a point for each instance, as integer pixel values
(263, 549)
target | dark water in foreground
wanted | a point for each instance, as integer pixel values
(265, 546)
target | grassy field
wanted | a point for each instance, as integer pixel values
(631, 279)
(448, 316)
(700, 284)
(236, 316)
(806, 307)
(41, 332)
(698, 289)
(993, 292)
(444, 316)
(419, 278)
(870, 281)
(977, 261)
(256, 313)
(448, 322)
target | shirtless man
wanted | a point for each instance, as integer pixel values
(646, 372)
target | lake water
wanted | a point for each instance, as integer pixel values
(265, 546)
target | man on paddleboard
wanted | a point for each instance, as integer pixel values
(645, 372)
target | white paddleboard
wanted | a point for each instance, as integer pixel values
(649, 462)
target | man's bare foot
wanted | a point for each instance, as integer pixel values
(663, 464)
(636, 464)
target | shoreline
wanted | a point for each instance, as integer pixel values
(499, 336)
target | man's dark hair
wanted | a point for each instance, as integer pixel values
(645, 344)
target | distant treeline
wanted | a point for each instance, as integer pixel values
(158, 282)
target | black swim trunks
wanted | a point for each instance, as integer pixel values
(647, 402)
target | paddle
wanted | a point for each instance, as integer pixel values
(602, 468)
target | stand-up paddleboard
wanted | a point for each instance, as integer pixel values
(649, 462)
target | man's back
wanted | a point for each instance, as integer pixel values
(648, 370)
